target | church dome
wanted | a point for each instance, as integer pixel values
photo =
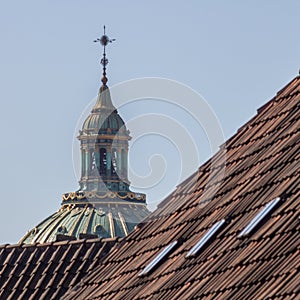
(103, 220)
(103, 206)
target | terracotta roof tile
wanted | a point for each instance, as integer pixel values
(262, 163)
(47, 271)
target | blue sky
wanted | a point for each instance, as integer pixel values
(236, 54)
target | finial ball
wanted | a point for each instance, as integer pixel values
(104, 40)
(104, 80)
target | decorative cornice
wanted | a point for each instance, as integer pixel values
(77, 196)
(103, 179)
(92, 136)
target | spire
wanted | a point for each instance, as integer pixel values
(104, 40)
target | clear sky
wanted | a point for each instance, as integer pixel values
(236, 54)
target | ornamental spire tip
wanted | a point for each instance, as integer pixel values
(104, 41)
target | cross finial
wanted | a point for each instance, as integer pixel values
(104, 40)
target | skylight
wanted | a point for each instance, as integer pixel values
(158, 258)
(210, 233)
(259, 216)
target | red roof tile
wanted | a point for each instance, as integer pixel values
(262, 163)
(47, 271)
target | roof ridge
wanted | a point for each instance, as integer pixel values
(260, 109)
(61, 243)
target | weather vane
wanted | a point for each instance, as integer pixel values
(104, 40)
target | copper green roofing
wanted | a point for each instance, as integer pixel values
(101, 220)
(104, 117)
(104, 101)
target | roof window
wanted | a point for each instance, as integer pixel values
(259, 217)
(210, 233)
(158, 258)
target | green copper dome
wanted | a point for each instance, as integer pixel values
(103, 206)
(106, 219)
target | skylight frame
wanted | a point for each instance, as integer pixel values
(158, 258)
(207, 236)
(259, 217)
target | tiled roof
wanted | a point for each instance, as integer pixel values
(262, 163)
(47, 271)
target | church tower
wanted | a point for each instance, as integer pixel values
(104, 206)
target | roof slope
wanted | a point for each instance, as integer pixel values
(262, 163)
(47, 271)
